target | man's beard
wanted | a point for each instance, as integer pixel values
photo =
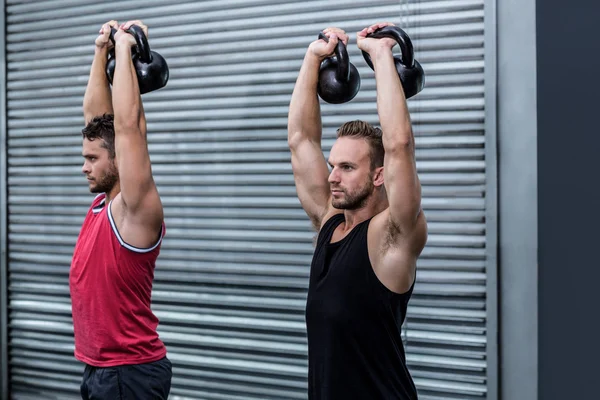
(354, 200)
(107, 182)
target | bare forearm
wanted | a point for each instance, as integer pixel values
(305, 113)
(391, 101)
(97, 99)
(126, 99)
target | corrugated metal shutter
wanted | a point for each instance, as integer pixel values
(232, 277)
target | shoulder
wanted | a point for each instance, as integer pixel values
(332, 216)
(329, 222)
(328, 226)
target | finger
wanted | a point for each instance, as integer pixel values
(331, 35)
(137, 22)
(334, 29)
(105, 31)
(107, 26)
(373, 27)
(379, 25)
(134, 22)
(340, 34)
(333, 41)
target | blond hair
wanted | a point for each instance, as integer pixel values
(373, 136)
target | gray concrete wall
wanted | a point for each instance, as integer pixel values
(517, 187)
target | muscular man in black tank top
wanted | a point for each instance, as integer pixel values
(367, 210)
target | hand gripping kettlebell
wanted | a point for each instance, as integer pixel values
(339, 80)
(151, 68)
(410, 71)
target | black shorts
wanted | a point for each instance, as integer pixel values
(150, 381)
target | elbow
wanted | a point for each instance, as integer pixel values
(88, 107)
(127, 121)
(400, 138)
(125, 126)
(294, 139)
(398, 145)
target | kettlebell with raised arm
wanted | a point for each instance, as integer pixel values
(409, 70)
(339, 81)
(151, 68)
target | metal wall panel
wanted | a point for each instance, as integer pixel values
(232, 276)
(492, 202)
(3, 218)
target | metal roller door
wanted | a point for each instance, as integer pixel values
(232, 276)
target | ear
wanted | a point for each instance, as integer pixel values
(378, 177)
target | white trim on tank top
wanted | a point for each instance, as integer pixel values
(123, 243)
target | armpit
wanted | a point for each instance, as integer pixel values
(391, 237)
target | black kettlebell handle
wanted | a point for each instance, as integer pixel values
(396, 33)
(342, 73)
(142, 43)
(143, 48)
(113, 32)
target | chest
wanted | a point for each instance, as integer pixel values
(94, 251)
(341, 285)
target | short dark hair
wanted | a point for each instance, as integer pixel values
(102, 127)
(372, 134)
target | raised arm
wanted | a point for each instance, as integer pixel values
(139, 196)
(400, 170)
(305, 130)
(97, 99)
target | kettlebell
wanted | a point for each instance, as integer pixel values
(151, 68)
(110, 64)
(410, 71)
(339, 80)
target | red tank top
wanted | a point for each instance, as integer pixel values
(111, 285)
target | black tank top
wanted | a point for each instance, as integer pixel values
(353, 323)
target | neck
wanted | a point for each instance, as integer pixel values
(113, 192)
(374, 205)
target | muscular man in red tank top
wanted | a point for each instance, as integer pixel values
(113, 262)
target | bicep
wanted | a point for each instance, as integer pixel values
(310, 175)
(403, 186)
